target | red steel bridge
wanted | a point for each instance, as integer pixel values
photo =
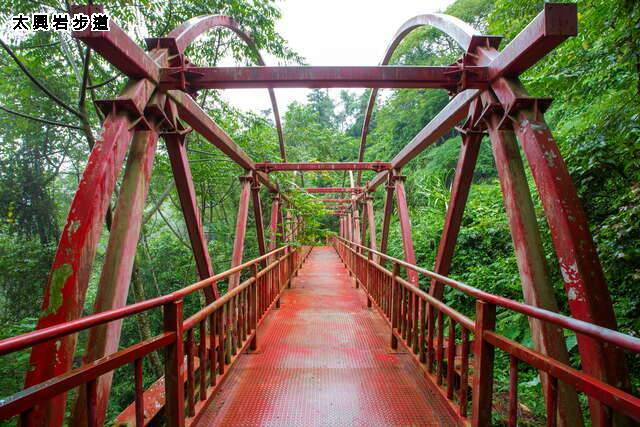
(336, 335)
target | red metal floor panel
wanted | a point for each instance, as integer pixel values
(323, 360)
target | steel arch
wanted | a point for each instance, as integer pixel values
(455, 28)
(182, 36)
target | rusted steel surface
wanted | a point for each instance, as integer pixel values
(445, 77)
(386, 215)
(117, 47)
(67, 284)
(455, 210)
(184, 185)
(405, 226)
(320, 166)
(113, 287)
(534, 276)
(257, 216)
(323, 360)
(241, 228)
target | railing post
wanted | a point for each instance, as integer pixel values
(483, 365)
(173, 365)
(395, 304)
(367, 271)
(253, 309)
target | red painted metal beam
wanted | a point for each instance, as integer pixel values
(181, 37)
(186, 192)
(318, 166)
(534, 275)
(241, 228)
(113, 287)
(336, 200)
(273, 226)
(257, 216)
(446, 77)
(553, 25)
(455, 210)
(386, 215)
(334, 190)
(405, 226)
(117, 47)
(67, 283)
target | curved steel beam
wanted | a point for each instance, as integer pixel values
(181, 37)
(455, 28)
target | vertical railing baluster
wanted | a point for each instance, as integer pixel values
(409, 333)
(203, 359)
(430, 332)
(190, 374)
(253, 308)
(92, 402)
(483, 356)
(173, 365)
(513, 391)
(415, 321)
(423, 330)
(451, 357)
(551, 392)
(213, 356)
(220, 319)
(139, 392)
(395, 306)
(440, 348)
(464, 372)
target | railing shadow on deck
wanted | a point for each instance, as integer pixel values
(198, 350)
(462, 369)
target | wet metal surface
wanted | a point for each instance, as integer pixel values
(323, 360)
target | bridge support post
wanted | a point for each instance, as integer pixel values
(257, 216)
(534, 275)
(174, 365)
(66, 287)
(186, 193)
(395, 305)
(585, 284)
(405, 226)
(483, 365)
(387, 212)
(371, 226)
(273, 226)
(241, 228)
(455, 211)
(115, 278)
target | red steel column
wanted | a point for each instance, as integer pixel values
(371, 225)
(67, 283)
(459, 193)
(532, 264)
(273, 225)
(405, 226)
(585, 285)
(184, 185)
(257, 215)
(241, 228)
(386, 218)
(115, 278)
(356, 225)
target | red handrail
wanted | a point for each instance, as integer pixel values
(226, 327)
(417, 320)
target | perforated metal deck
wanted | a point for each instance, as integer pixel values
(324, 360)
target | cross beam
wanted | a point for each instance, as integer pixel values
(552, 26)
(327, 190)
(327, 166)
(336, 200)
(451, 77)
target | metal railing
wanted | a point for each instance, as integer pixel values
(199, 350)
(455, 350)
